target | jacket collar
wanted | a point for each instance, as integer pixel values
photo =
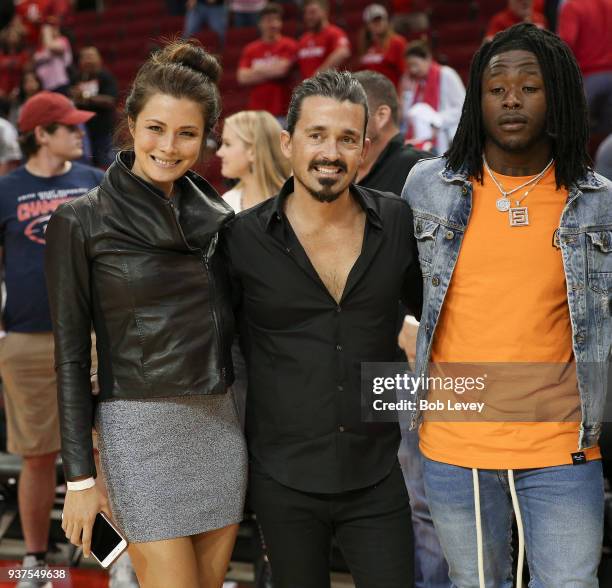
(449, 175)
(590, 181)
(275, 212)
(202, 211)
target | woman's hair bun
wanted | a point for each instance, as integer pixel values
(190, 54)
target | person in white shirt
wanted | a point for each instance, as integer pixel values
(432, 99)
(10, 153)
(250, 153)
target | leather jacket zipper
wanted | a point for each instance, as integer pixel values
(211, 280)
(205, 257)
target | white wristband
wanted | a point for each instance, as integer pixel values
(85, 484)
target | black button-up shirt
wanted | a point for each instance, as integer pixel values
(304, 350)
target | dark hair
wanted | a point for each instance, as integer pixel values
(22, 95)
(28, 144)
(566, 116)
(182, 69)
(366, 39)
(324, 4)
(418, 48)
(380, 91)
(339, 85)
(271, 8)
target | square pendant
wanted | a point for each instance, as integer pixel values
(519, 216)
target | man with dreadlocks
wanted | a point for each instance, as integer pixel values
(514, 233)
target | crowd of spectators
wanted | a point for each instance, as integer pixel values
(37, 51)
(395, 41)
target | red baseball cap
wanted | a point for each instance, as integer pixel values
(46, 108)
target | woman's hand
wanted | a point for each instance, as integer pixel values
(80, 510)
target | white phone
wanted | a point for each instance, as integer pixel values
(107, 543)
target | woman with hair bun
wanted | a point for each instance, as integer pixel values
(135, 257)
(250, 152)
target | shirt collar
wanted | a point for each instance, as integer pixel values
(395, 143)
(275, 213)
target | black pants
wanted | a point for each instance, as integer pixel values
(372, 527)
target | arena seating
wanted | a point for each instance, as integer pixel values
(128, 30)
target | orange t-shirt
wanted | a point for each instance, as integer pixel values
(526, 330)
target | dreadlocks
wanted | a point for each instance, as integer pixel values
(566, 117)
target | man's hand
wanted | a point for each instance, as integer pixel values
(95, 384)
(407, 338)
(77, 94)
(278, 68)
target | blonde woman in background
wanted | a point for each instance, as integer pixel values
(250, 153)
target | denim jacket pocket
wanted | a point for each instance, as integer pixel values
(425, 235)
(599, 260)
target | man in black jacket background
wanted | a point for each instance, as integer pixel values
(388, 161)
(386, 167)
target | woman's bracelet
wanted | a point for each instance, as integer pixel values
(85, 484)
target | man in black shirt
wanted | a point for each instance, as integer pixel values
(318, 272)
(388, 161)
(96, 90)
(386, 167)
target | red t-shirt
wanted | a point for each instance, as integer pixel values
(401, 6)
(315, 48)
(407, 6)
(585, 27)
(389, 61)
(506, 18)
(11, 70)
(272, 95)
(33, 14)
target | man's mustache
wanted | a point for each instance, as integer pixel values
(320, 162)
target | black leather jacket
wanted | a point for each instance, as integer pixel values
(158, 299)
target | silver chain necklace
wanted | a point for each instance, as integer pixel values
(518, 216)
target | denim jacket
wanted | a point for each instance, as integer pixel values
(441, 201)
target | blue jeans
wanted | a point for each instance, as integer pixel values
(430, 567)
(215, 17)
(245, 19)
(562, 513)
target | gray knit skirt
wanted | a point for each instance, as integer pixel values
(174, 467)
